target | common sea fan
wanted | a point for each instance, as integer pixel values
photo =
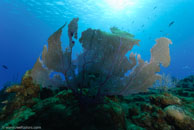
(101, 68)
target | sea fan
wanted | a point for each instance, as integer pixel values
(101, 67)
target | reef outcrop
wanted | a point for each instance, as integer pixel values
(153, 110)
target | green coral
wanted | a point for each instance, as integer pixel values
(20, 115)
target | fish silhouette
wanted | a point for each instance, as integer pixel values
(5, 67)
(171, 23)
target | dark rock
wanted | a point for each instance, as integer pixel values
(46, 93)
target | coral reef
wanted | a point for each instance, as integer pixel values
(152, 110)
(96, 93)
(26, 94)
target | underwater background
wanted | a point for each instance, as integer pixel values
(96, 64)
(25, 26)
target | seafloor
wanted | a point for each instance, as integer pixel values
(154, 110)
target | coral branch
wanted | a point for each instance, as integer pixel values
(144, 75)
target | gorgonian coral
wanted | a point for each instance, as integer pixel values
(101, 68)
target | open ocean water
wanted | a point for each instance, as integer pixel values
(25, 26)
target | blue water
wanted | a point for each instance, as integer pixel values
(25, 26)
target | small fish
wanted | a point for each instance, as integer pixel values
(171, 23)
(154, 7)
(142, 26)
(161, 31)
(5, 67)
